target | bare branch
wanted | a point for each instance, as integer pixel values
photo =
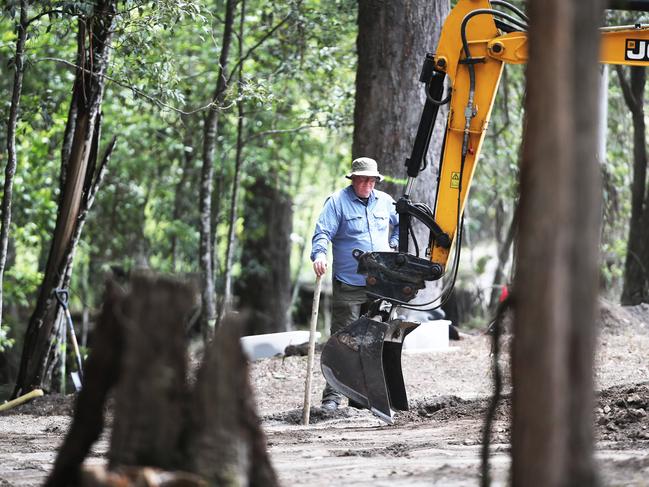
(43, 14)
(137, 91)
(259, 43)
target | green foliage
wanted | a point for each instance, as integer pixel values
(5, 342)
(297, 92)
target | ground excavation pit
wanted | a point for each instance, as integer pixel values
(437, 442)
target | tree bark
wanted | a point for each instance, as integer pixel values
(236, 183)
(151, 398)
(393, 38)
(539, 353)
(265, 283)
(93, 52)
(635, 289)
(556, 271)
(227, 445)
(503, 256)
(208, 297)
(585, 187)
(10, 169)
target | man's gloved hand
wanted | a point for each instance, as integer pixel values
(320, 265)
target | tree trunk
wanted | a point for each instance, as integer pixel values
(103, 370)
(236, 183)
(393, 38)
(585, 189)
(635, 289)
(93, 52)
(208, 297)
(10, 169)
(180, 195)
(556, 277)
(504, 251)
(265, 284)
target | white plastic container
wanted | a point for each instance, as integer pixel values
(430, 336)
(270, 344)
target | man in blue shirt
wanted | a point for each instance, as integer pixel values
(356, 217)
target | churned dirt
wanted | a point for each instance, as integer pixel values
(437, 442)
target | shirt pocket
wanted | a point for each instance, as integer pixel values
(381, 220)
(356, 224)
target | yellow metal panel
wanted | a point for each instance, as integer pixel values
(628, 46)
(449, 48)
(510, 48)
(446, 212)
(621, 45)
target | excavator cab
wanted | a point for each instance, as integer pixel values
(363, 360)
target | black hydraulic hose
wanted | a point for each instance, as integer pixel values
(445, 294)
(414, 240)
(513, 8)
(433, 100)
(486, 11)
(505, 27)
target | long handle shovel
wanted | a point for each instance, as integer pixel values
(309, 370)
(63, 297)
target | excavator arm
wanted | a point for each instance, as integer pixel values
(471, 54)
(478, 38)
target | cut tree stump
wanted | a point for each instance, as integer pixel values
(102, 373)
(209, 433)
(151, 397)
(228, 446)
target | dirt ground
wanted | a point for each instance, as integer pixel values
(437, 442)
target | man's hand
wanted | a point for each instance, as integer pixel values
(320, 265)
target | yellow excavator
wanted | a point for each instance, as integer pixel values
(363, 360)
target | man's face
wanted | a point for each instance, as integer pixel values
(363, 185)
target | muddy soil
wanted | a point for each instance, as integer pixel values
(437, 442)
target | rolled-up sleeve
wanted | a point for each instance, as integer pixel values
(325, 229)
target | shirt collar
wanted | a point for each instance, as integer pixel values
(354, 196)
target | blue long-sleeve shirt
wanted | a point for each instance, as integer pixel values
(349, 224)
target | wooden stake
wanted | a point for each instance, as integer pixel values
(309, 370)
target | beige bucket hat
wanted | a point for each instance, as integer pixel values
(365, 166)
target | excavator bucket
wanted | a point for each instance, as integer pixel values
(363, 362)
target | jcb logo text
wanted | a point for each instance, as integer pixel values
(636, 50)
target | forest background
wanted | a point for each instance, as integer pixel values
(232, 207)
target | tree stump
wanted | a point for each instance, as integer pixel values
(102, 372)
(152, 396)
(228, 446)
(210, 435)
